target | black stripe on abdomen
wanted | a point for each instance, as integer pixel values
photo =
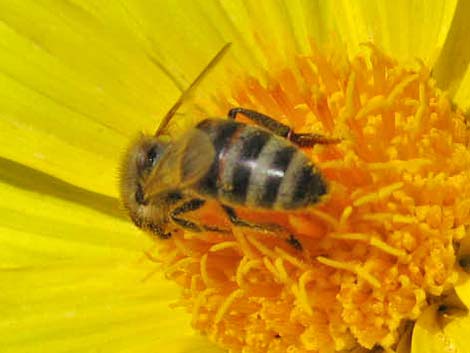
(221, 133)
(308, 188)
(251, 147)
(276, 173)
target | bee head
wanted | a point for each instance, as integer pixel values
(141, 158)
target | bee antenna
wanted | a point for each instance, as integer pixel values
(191, 88)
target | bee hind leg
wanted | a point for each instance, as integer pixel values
(310, 140)
(269, 227)
(301, 140)
(189, 206)
(260, 119)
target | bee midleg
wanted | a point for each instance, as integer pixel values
(301, 140)
(189, 206)
(270, 227)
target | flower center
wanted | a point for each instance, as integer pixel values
(374, 250)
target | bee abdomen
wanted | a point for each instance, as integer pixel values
(284, 178)
(240, 164)
(269, 173)
(221, 132)
(258, 169)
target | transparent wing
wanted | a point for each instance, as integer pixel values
(184, 163)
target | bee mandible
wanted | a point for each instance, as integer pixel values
(259, 166)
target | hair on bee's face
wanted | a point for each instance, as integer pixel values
(141, 158)
(152, 169)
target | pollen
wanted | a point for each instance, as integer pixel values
(375, 250)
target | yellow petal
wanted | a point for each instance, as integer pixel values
(75, 278)
(451, 69)
(406, 30)
(106, 307)
(72, 92)
(462, 288)
(457, 333)
(45, 220)
(430, 335)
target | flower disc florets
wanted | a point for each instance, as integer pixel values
(375, 250)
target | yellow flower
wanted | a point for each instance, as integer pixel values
(79, 79)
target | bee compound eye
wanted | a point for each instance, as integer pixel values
(151, 156)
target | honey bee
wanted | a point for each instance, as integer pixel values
(259, 166)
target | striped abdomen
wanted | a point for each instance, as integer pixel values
(255, 168)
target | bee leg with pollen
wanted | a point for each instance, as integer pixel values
(301, 139)
(189, 206)
(269, 227)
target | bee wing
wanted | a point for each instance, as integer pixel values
(184, 162)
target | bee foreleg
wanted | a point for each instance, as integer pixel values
(270, 227)
(158, 230)
(189, 206)
(301, 140)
